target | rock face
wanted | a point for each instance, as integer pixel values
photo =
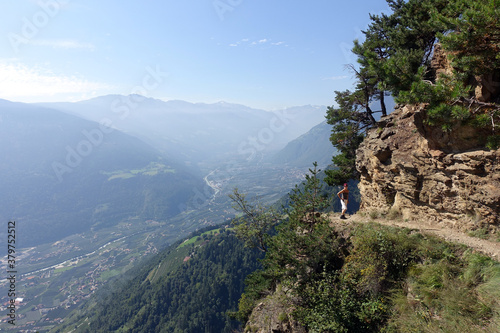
(273, 314)
(422, 172)
(487, 86)
(440, 64)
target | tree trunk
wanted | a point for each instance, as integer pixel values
(369, 112)
(382, 104)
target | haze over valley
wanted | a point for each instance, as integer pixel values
(232, 166)
(133, 174)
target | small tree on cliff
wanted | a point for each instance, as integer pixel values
(470, 38)
(304, 246)
(349, 122)
(395, 58)
(256, 223)
(472, 35)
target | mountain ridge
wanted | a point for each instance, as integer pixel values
(307, 148)
(198, 132)
(54, 169)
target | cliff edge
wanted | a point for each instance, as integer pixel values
(420, 171)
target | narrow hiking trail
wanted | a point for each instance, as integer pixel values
(490, 248)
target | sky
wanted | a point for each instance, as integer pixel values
(266, 54)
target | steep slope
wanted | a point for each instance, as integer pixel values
(308, 148)
(382, 279)
(197, 132)
(61, 175)
(420, 170)
(188, 287)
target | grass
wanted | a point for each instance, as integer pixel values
(196, 238)
(393, 214)
(374, 214)
(406, 281)
(483, 233)
(192, 240)
(109, 274)
(449, 295)
(62, 269)
(479, 233)
(152, 169)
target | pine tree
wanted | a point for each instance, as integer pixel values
(390, 59)
(472, 35)
(469, 34)
(305, 244)
(349, 123)
(256, 223)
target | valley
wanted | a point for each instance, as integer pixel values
(175, 166)
(88, 218)
(57, 278)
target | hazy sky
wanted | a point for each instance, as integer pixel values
(262, 53)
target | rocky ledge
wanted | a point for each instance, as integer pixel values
(421, 172)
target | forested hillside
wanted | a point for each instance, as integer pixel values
(62, 175)
(328, 277)
(187, 288)
(323, 275)
(314, 145)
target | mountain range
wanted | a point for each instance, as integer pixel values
(61, 174)
(72, 167)
(199, 133)
(309, 147)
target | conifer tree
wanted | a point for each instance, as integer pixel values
(472, 35)
(256, 223)
(349, 123)
(305, 244)
(395, 59)
(469, 34)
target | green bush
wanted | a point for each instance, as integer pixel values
(447, 295)
(397, 280)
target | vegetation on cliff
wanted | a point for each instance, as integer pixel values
(367, 278)
(396, 58)
(334, 277)
(188, 287)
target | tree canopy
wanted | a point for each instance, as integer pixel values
(395, 59)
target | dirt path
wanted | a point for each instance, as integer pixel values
(489, 248)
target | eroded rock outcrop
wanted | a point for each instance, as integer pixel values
(274, 314)
(486, 86)
(422, 172)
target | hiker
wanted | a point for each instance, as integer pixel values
(344, 199)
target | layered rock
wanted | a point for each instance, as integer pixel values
(274, 314)
(486, 86)
(422, 172)
(440, 64)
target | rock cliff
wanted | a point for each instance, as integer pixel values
(274, 314)
(421, 172)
